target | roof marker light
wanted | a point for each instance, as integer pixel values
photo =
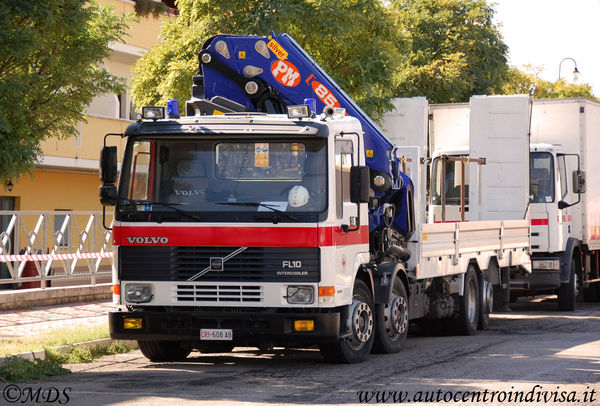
(299, 111)
(153, 112)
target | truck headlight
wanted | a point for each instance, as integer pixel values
(138, 293)
(300, 294)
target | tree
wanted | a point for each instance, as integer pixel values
(455, 50)
(521, 81)
(50, 70)
(351, 39)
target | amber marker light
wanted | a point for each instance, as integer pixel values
(132, 323)
(326, 291)
(304, 325)
(116, 289)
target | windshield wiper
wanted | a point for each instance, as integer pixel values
(267, 206)
(169, 205)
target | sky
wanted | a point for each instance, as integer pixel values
(543, 32)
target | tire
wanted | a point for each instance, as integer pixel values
(164, 351)
(391, 327)
(486, 303)
(357, 347)
(567, 293)
(466, 320)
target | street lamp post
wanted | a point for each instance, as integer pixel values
(575, 71)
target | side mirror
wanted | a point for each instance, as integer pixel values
(108, 195)
(360, 180)
(108, 165)
(578, 181)
(563, 205)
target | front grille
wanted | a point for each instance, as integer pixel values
(219, 293)
(251, 264)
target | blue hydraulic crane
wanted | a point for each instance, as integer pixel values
(268, 73)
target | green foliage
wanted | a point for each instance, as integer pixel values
(84, 355)
(52, 338)
(455, 50)
(16, 369)
(521, 81)
(351, 39)
(51, 68)
(144, 8)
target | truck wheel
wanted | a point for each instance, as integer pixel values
(567, 293)
(391, 325)
(161, 351)
(357, 347)
(467, 319)
(486, 303)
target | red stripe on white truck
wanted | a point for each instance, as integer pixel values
(238, 236)
(539, 222)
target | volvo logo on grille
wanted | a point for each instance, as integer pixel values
(291, 264)
(216, 264)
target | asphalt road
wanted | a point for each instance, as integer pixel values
(533, 355)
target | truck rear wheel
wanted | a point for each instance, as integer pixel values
(391, 327)
(164, 351)
(567, 293)
(357, 346)
(467, 319)
(486, 301)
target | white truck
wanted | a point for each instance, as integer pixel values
(562, 181)
(260, 228)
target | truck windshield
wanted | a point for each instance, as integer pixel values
(541, 177)
(451, 182)
(223, 179)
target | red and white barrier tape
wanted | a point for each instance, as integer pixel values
(47, 257)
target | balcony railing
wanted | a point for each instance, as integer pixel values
(54, 248)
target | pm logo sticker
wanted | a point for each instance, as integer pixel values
(285, 73)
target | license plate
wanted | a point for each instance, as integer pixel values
(225, 334)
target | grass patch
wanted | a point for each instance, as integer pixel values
(52, 338)
(80, 354)
(15, 369)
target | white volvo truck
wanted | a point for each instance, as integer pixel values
(259, 228)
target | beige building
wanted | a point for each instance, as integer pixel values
(67, 176)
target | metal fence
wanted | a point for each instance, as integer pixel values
(54, 248)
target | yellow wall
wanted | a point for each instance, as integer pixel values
(145, 33)
(92, 139)
(50, 190)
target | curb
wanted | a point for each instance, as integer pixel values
(41, 354)
(23, 299)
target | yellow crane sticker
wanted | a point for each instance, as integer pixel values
(277, 49)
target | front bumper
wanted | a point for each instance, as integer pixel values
(249, 328)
